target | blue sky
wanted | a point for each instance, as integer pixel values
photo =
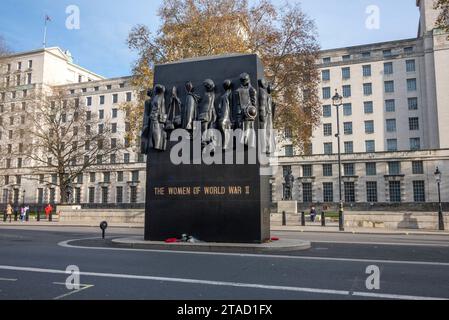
(100, 43)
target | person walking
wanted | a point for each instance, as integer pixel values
(313, 214)
(9, 211)
(48, 210)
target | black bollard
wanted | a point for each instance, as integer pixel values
(284, 218)
(15, 216)
(38, 217)
(4, 217)
(323, 219)
(303, 219)
(50, 217)
(103, 227)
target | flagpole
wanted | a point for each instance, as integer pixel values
(45, 31)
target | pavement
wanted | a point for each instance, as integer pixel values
(338, 266)
(316, 227)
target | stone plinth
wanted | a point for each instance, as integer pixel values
(290, 207)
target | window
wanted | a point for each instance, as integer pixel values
(328, 148)
(80, 78)
(126, 158)
(419, 192)
(119, 195)
(371, 192)
(349, 147)
(346, 73)
(101, 114)
(78, 195)
(415, 144)
(412, 104)
(394, 168)
(327, 60)
(135, 176)
(413, 124)
(307, 193)
(391, 125)
(366, 54)
(141, 158)
(349, 169)
(104, 194)
(327, 170)
(347, 128)
(417, 167)
(128, 96)
(89, 101)
(395, 191)
(19, 163)
(411, 85)
(113, 143)
(99, 159)
(369, 127)
(327, 111)
(100, 128)
(346, 91)
(40, 196)
(114, 98)
(18, 79)
(108, 87)
(387, 53)
(367, 89)
(307, 170)
(389, 86)
(106, 177)
(408, 50)
(114, 113)
(392, 145)
(327, 129)
(91, 195)
(101, 100)
(367, 71)
(289, 150)
(347, 109)
(122, 85)
(327, 93)
(96, 88)
(390, 105)
(370, 146)
(113, 159)
(371, 169)
(133, 194)
(19, 65)
(325, 75)
(349, 191)
(346, 57)
(120, 176)
(388, 68)
(368, 107)
(79, 178)
(410, 65)
(114, 127)
(30, 64)
(328, 192)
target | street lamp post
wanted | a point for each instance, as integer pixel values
(440, 206)
(338, 102)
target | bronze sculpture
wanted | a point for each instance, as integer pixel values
(155, 118)
(246, 110)
(288, 186)
(174, 119)
(144, 138)
(207, 113)
(266, 113)
(189, 112)
(225, 114)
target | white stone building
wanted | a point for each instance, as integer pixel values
(393, 124)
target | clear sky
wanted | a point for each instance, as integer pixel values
(100, 42)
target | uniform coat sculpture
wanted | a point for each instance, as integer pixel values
(266, 114)
(189, 112)
(288, 186)
(246, 110)
(155, 118)
(225, 113)
(207, 113)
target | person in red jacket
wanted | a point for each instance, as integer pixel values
(48, 210)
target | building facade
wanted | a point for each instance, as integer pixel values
(393, 124)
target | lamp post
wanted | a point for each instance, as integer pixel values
(338, 102)
(440, 206)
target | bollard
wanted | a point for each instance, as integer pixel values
(50, 217)
(103, 227)
(27, 217)
(303, 219)
(284, 218)
(38, 217)
(4, 217)
(15, 216)
(323, 219)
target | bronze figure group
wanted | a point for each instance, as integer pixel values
(237, 109)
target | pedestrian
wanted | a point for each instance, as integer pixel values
(48, 210)
(313, 214)
(9, 212)
(16, 212)
(22, 213)
(26, 212)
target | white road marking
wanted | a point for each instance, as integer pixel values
(6, 279)
(82, 288)
(67, 244)
(400, 244)
(227, 284)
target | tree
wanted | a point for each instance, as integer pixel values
(443, 18)
(65, 139)
(284, 38)
(4, 50)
